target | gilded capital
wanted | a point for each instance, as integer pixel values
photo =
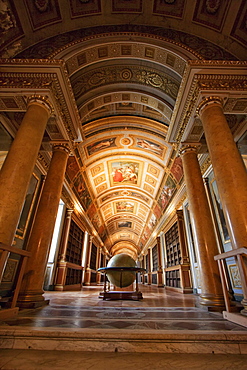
(208, 101)
(189, 148)
(41, 101)
(61, 146)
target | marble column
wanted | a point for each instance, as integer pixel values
(160, 269)
(203, 229)
(31, 294)
(230, 173)
(18, 166)
(87, 276)
(149, 267)
(229, 169)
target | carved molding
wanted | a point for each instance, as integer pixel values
(206, 165)
(119, 74)
(43, 161)
(39, 80)
(211, 84)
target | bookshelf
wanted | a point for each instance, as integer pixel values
(177, 265)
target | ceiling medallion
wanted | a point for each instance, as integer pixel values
(125, 193)
(125, 141)
(41, 5)
(126, 74)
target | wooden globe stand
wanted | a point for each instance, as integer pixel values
(108, 294)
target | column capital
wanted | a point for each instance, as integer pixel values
(189, 148)
(69, 212)
(208, 101)
(41, 101)
(61, 146)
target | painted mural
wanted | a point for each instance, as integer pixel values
(102, 233)
(125, 224)
(100, 145)
(81, 190)
(166, 193)
(157, 211)
(72, 168)
(124, 206)
(112, 195)
(127, 193)
(177, 169)
(140, 196)
(124, 172)
(152, 222)
(149, 146)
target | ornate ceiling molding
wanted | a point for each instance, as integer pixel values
(194, 45)
(48, 78)
(202, 80)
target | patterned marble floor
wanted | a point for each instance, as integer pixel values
(159, 310)
(79, 330)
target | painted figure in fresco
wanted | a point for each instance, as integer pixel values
(99, 145)
(124, 224)
(118, 175)
(125, 172)
(166, 192)
(124, 206)
(146, 144)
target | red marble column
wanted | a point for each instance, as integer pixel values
(203, 229)
(230, 174)
(31, 294)
(18, 166)
(229, 169)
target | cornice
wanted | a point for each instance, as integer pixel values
(43, 77)
(207, 79)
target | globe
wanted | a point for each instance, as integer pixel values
(128, 277)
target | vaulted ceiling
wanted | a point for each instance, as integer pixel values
(123, 63)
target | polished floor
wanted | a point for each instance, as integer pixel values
(158, 310)
(163, 330)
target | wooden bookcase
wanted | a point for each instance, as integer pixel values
(69, 268)
(155, 258)
(74, 247)
(177, 266)
(173, 250)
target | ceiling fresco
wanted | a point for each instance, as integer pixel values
(122, 75)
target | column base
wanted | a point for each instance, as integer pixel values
(87, 277)
(244, 311)
(32, 300)
(211, 302)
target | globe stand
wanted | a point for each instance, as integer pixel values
(121, 294)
